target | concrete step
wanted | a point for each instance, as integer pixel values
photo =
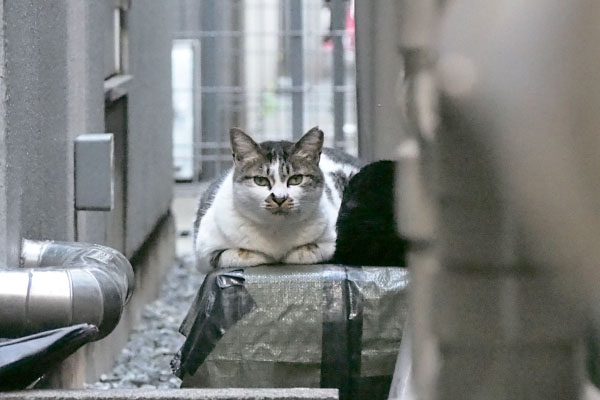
(174, 394)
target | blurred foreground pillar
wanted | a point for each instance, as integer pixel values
(502, 203)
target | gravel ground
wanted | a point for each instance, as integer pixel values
(144, 362)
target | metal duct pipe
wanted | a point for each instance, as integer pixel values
(61, 284)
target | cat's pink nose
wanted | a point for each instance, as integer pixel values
(278, 200)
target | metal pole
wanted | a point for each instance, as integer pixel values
(364, 14)
(297, 67)
(338, 23)
(210, 77)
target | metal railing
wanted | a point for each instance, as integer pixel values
(274, 68)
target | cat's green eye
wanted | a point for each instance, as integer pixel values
(295, 180)
(261, 181)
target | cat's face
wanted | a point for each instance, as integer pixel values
(277, 178)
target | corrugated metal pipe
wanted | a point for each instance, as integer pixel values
(61, 284)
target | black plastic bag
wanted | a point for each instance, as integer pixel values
(24, 360)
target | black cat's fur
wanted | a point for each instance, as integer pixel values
(366, 226)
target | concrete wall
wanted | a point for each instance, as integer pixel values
(53, 63)
(87, 23)
(504, 200)
(150, 170)
(148, 154)
(36, 167)
(378, 68)
(53, 70)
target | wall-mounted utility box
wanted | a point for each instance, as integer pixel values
(94, 183)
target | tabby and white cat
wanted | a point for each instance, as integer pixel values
(278, 204)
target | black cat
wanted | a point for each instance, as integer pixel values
(366, 226)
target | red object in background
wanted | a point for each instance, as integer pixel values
(348, 40)
(350, 27)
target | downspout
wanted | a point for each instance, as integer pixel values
(61, 284)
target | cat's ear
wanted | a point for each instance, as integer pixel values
(243, 147)
(310, 145)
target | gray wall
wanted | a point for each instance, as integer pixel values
(150, 171)
(52, 64)
(378, 67)
(36, 164)
(87, 24)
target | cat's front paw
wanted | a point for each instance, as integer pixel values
(310, 253)
(232, 258)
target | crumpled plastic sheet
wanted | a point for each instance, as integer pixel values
(296, 326)
(24, 360)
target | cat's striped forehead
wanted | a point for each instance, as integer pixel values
(278, 162)
(276, 169)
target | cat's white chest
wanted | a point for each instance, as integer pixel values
(224, 226)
